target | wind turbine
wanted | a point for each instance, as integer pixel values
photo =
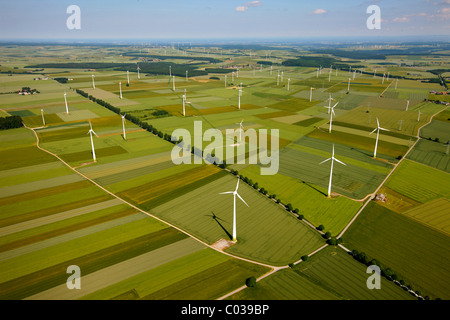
(43, 120)
(282, 73)
(170, 71)
(310, 94)
(331, 172)
(348, 89)
(128, 77)
(331, 115)
(90, 132)
(278, 78)
(65, 100)
(329, 103)
(123, 126)
(289, 80)
(186, 75)
(93, 83)
(120, 89)
(225, 81)
(239, 95)
(418, 118)
(384, 75)
(235, 193)
(377, 129)
(138, 68)
(407, 105)
(173, 83)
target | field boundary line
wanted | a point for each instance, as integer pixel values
(142, 211)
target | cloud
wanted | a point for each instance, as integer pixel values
(320, 11)
(247, 5)
(402, 19)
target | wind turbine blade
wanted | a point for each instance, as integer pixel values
(242, 199)
(336, 104)
(237, 186)
(378, 123)
(373, 131)
(325, 160)
(340, 161)
(227, 192)
(384, 129)
(94, 133)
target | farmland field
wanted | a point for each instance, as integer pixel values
(329, 275)
(140, 226)
(416, 253)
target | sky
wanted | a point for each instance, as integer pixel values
(221, 19)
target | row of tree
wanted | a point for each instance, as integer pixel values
(386, 272)
(129, 117)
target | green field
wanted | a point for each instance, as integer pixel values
(416, 253)
(328, 275)
(52, 217)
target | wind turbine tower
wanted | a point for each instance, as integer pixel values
(235, 193)
(331, 172)
(123, 126)
(377, 129)
(90, 132)
(65, 100)
(331, 115)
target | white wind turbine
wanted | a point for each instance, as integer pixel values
(128, 77)
(173, 83)
(93, 83)
(310, 94)
(289, 80)
(90, 132)
(138, 68)
(278, 78)
(331, 109)
(407, 105)
(329, 103)
(348, 88)
(331, 172)
(120, 89)
(65, 100)
(239, 96)
(43, 120)
(123, 126)
(377, 129)
(225, 81)
(235, 193)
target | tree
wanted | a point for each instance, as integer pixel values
(305, 257)
(289, 207)
(250, 282)
(321, 227)
(301, 217)
(327, 235)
